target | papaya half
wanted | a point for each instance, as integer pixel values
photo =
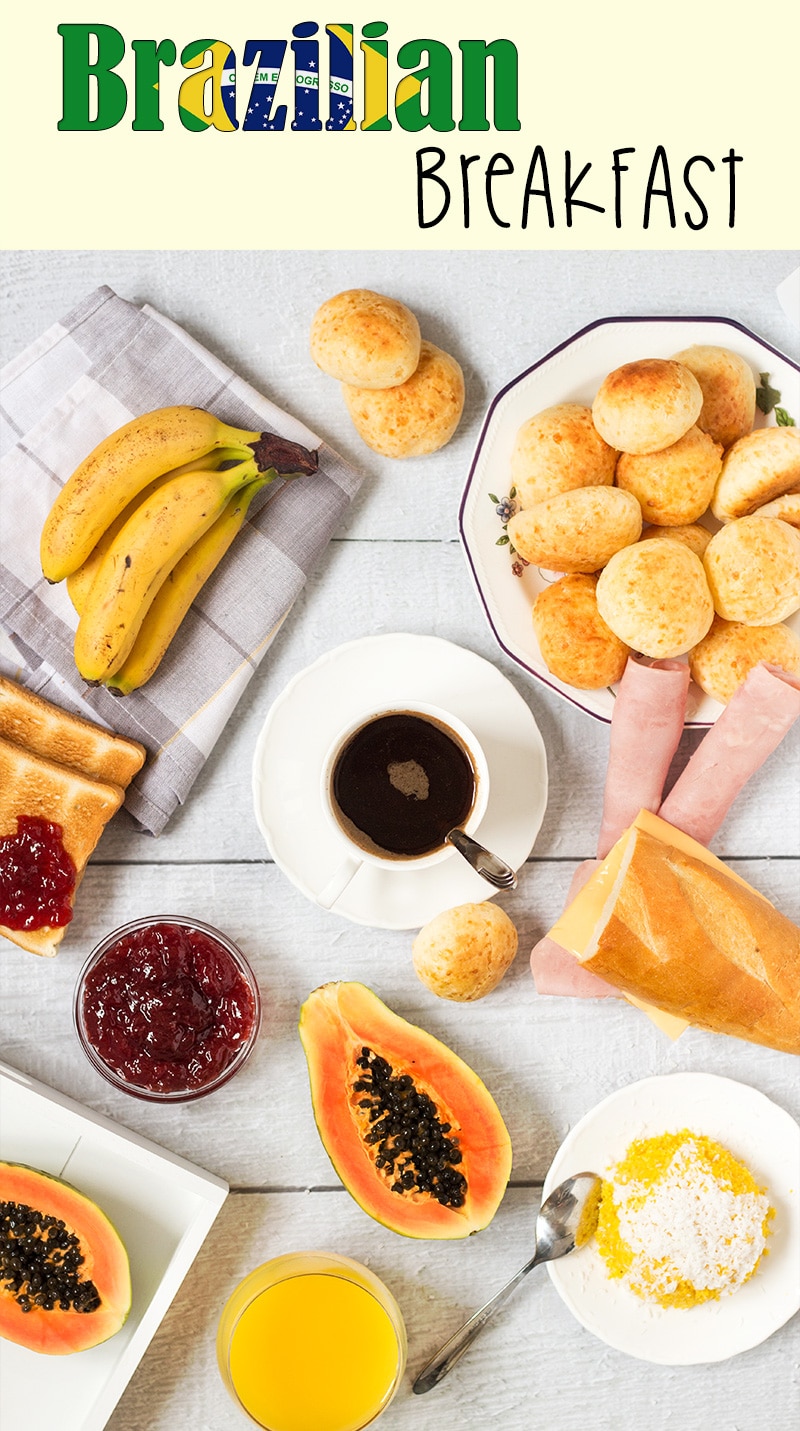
(65, 1282)
(412, 1132)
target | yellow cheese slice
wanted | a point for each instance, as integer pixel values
(574, 930)
(669, 1024)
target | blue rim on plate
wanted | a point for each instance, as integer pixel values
(583, 700)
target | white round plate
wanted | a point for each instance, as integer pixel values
(331, 694)
(572, 373)
(761, 1135)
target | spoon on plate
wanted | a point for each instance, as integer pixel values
(489, 866)
(567, 1219)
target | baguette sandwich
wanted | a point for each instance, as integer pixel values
(57, 768)
(668, 924)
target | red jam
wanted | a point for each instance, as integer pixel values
(167, 1008)
(37, 876)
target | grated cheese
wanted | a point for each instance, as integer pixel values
(681, 1220)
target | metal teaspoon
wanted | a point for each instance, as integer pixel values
(489, 866)
(567, 1219)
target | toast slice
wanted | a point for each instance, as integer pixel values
(30, 784)
(43, 728)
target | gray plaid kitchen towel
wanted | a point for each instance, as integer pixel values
(106, 362)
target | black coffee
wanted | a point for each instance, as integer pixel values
(401, 783)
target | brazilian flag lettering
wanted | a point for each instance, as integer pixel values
(193, 94)
(306, 77)
(340, 53)
(267, 56)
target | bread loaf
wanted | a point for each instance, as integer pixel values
(681, 932)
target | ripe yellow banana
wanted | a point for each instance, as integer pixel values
(152, 541)
(119, 468)
(178, 592)
(79, 583)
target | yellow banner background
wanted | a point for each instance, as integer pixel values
(698, 77)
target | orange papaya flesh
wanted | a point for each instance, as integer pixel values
(65, 1280)
(412, 1132)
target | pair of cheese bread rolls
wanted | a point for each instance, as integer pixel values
(404, 395)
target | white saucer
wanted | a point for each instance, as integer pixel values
(766, 1139)
(330, 694)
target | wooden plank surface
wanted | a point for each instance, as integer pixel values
(534, 1366)
(497, 313)
(547, 1061)
(364, 588)
(396, 565)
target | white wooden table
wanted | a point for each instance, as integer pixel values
(396, 566)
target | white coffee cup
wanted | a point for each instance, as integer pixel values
(354, 855)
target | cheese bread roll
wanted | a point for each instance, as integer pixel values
(695, 537)
(416, 417)
(729, 391)
(647, 405)
(655, 598)
(673, 486)
(463, 953)
(365, 338)
(722, 660)
(576, 644)
(757, 469)
(557, 450)
(577, 531)
(753, 570)
(786, 507)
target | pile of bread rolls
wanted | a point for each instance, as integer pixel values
(405, 396)
(667, 442)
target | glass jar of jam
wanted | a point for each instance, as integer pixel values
(167, 1008)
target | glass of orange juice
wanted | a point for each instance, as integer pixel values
(312, 1341)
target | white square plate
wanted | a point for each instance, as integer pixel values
(572, 373)
(162, 1207)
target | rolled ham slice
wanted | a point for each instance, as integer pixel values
(556, 971)
(752, 725)
(646, 726)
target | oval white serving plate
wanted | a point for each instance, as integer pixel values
(573, 372)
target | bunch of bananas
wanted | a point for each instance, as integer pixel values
(143, 522)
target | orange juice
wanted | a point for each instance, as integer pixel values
(311, 1342)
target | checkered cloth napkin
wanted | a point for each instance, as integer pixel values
(106, 362)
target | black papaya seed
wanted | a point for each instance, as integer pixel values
(404, 1121)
